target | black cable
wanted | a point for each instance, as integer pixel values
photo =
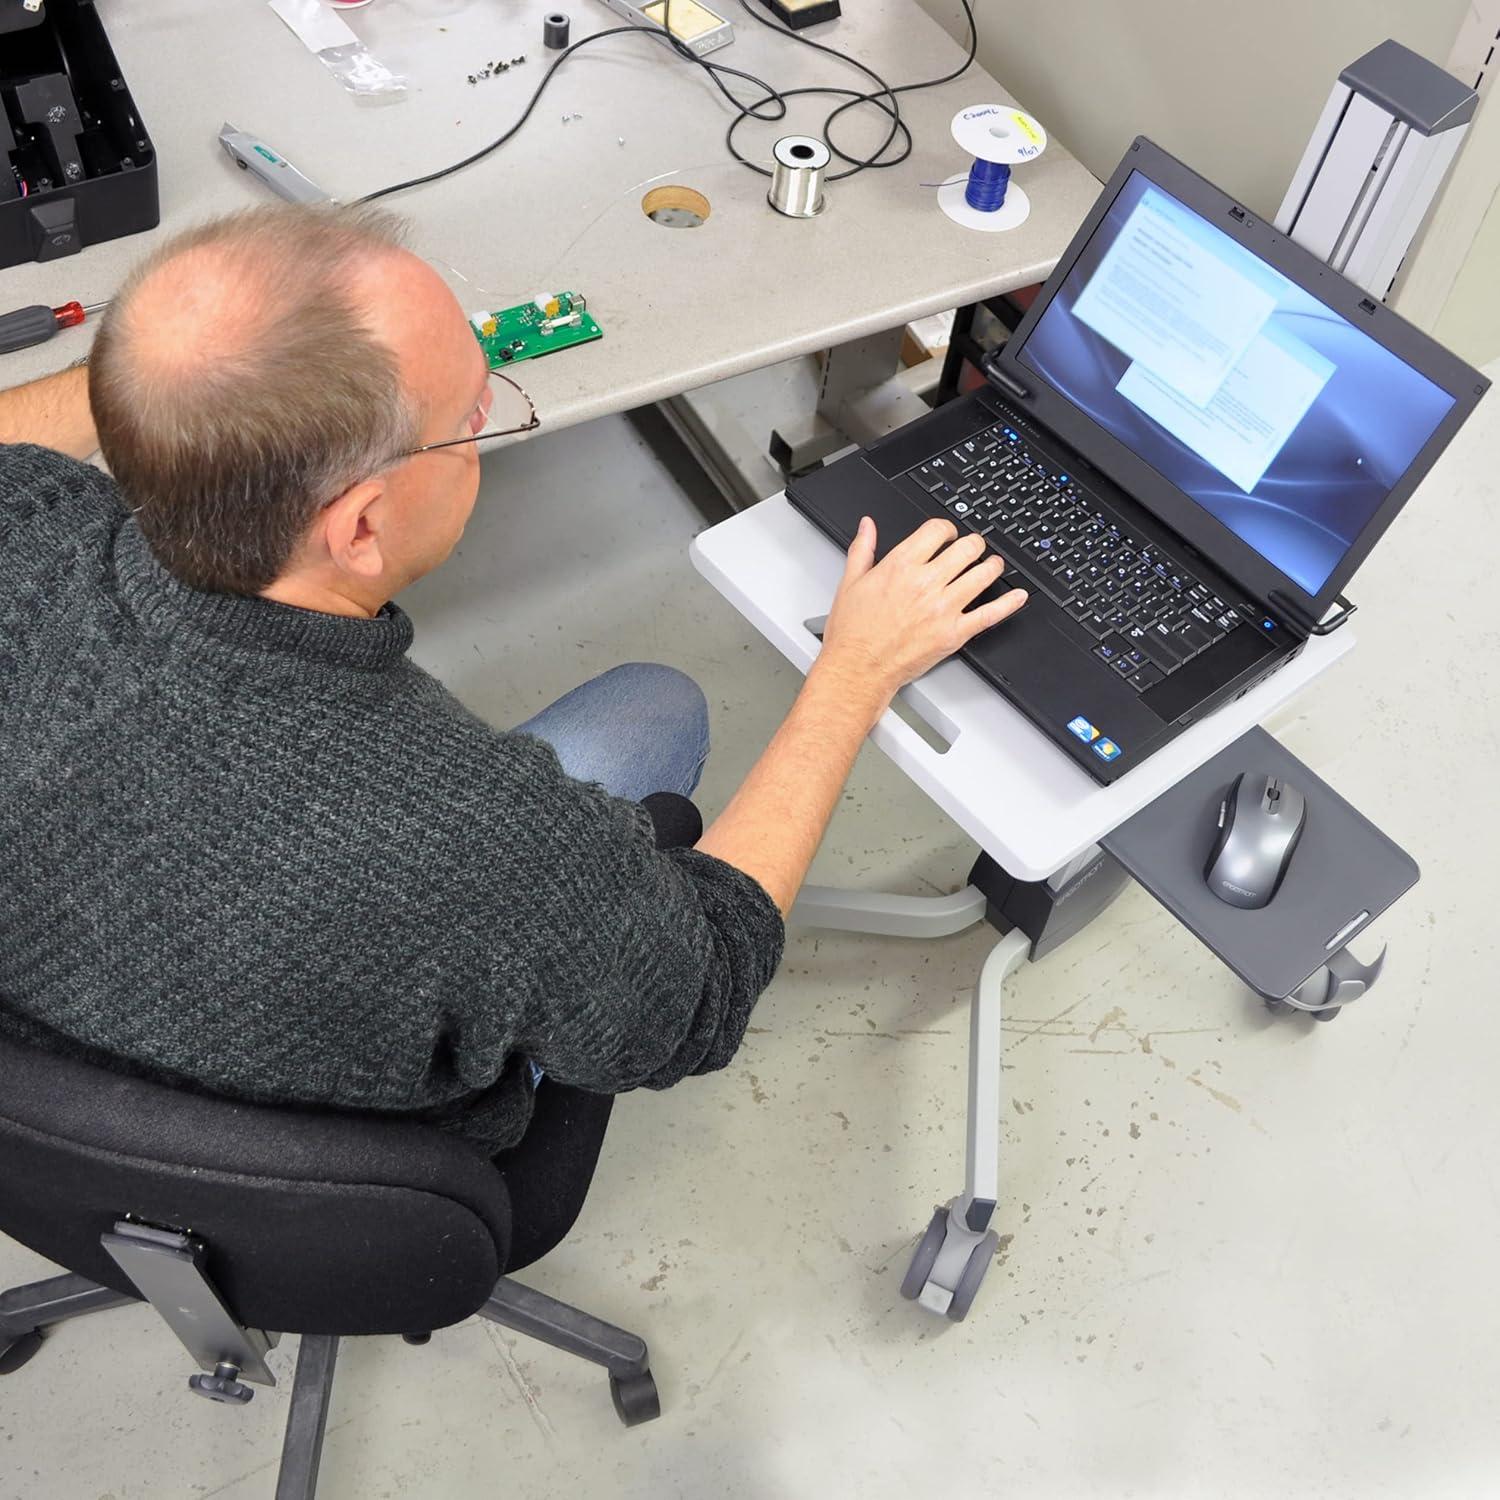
(859, 164)
(771, 97)
(468, 161)
(712, 69)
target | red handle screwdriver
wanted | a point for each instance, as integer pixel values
(35, 325)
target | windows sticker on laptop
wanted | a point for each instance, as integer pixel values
(1106, 750)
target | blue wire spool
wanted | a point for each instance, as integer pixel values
(988, 181)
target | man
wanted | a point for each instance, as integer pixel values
(248, 846)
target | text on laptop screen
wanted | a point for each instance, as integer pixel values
(1274, 413)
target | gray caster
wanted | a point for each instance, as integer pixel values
(1282, 1008)
(968, 1284)
(635, 1398)
(926, 1256)
(221, 1386)
(19, 1350)
(949, 1264)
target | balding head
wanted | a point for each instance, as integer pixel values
(250, 372)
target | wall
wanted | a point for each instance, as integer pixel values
(1470, 321)
(1232, 88)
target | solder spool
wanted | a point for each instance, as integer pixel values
(797, 176)
(997, 136)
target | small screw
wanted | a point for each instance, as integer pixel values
(620, 139)
(473, 79)
(520, 59)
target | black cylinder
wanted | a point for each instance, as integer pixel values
(555, 30)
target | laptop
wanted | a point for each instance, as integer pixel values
(1183, 453)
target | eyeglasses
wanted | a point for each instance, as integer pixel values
(501, 395)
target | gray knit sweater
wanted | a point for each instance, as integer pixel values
(255, 849)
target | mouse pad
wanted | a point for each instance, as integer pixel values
(1342, 875)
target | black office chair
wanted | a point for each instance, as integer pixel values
(240, 1222)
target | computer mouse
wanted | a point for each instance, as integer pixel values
(1260, 822)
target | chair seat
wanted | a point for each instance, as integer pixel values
(315, 1222)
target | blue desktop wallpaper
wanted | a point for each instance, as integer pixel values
(1333, 470)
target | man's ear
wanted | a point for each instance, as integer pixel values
(352, 529)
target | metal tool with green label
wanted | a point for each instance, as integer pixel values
(251, 154)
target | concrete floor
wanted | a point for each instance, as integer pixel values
(1243, 1257)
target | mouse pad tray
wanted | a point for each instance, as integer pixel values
(1342, 875)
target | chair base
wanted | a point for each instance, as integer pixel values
(26, 1311)
(573, 1331)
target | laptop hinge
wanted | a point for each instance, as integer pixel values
(1305, 622)
(1000, 380)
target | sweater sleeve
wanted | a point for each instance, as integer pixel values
(654, 959)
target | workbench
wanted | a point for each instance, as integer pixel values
(560, 206)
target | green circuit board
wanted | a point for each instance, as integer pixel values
(550, 322)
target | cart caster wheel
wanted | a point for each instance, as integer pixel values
(968, 1284)
(635, 1398)
(926, 1255)
(1279, 1007)
(19, 1350)
(1327, 1015)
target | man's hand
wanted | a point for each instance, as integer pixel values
(890, 622)
(893, 620)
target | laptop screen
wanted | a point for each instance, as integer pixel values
(1268, 409)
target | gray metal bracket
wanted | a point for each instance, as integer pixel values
(167, 1268)
(888, 915)
(862, 398)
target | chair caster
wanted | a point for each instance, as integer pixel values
(221, 1386)
(19, 1351)
(416, 1338)
(1327, 1015)
(949, 1266)
(635, 1398)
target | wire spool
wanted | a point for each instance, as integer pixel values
(997, 136)
(797, 176)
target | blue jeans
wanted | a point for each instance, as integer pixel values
(636, 729)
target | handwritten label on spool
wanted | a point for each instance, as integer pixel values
(998, 132)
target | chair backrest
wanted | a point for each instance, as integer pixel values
(314, 1222)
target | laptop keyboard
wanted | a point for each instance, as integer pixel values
(1147, 614)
